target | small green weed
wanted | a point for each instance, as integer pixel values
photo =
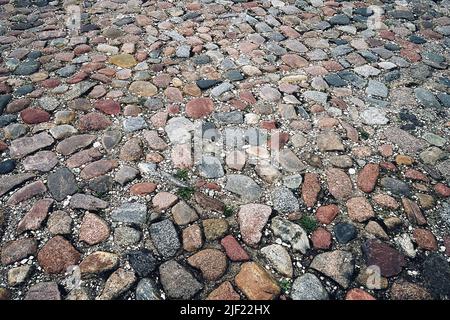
(182, 174)
(308, 223)
(185, 193)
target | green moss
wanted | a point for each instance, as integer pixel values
(182, 174)
(363, 134)
(185, 193)
(309, 224)
(228, 211)
(285, 285)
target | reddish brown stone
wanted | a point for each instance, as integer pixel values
(413, 212)
(358, 294)
(326, 214)
(17, 250)
(359, 209)
(98, 168)
(173, 94)
(51, 83)
(3, 146)
(310, 189)
(93, 121)
(93, 229)
(442, 190)
(294, 61)
(192, 238)
(367, 177)
(386, 201)
(108, 106)
(34, 218)
(224, 292)
(247, 96)
(416, 175)
(43, 291)
(143, 188)
(18, 105)
(131, 150)
(81, 49)
(252, 219)
(321, 239)
(339, 184)
(27, 192)
(83, 157)
(199, 107)
(211, 262)
(388, 259)
(233, 249)
(447, 245)
(77, 77)
(268, 125)
(389, 166)
(404, 290)
(208, 202)
(163, 200)
(57, 255)
(425, 239)
(34, 115)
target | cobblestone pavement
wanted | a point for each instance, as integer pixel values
(270, 149)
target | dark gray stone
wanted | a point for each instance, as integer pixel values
(62, 183)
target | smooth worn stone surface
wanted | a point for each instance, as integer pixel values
(17, 250)
(367, 177)
(75, 143)
(27, 192)
(98, 262)
(338, 265)
(177, 282)
(243, 186)
(233, 249)
(41, 161)
(389, 260)
(279, 258)
(256, 283)
(35, 216)
(339, 184)
(12, 181)
(87, 202)
(26, 145)
(308, 287)
(120, 281)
